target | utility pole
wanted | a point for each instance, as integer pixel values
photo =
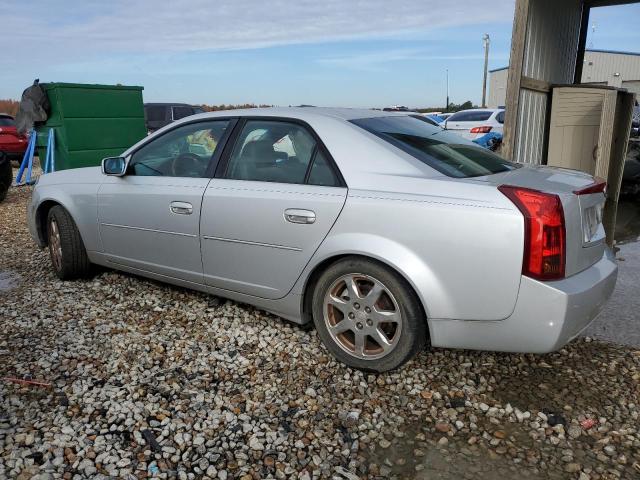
(486, 41)
(446, 108)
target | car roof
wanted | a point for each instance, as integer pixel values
(492, 110)
(6, 115)
(167, 104)
(303, 113)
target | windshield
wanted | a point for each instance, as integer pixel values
(6, 122)
(445, 152)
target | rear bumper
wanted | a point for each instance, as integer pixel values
(12, 155)
(12, 146)
(547, 315)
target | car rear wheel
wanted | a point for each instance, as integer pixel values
(367, 315)
(66, 249)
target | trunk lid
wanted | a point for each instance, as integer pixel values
(11, 131)
(585, 236)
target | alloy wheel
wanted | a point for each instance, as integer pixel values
(55, 244)
(362, 316)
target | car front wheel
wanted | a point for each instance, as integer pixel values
(66, 249)
(367, 315)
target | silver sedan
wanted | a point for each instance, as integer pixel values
(387, 233)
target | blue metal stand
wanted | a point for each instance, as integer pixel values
(50, 160)
(27, 161)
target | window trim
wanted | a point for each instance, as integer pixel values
(215, 157)
(223, 164)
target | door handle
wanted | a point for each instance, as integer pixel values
(296, 215)
(181, 208)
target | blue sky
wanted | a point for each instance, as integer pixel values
(284, 52)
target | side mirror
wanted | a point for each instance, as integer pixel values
(116, 166)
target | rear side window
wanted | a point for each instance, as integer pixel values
(279, 151)
(431, 146)
(321, 172)
(500, 117)
(155, 114)
(7, 122)
(181, 112)
(470, 116)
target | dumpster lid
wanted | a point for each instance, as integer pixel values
(51, 85)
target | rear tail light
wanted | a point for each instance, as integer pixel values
(544, 232)
(486, 129)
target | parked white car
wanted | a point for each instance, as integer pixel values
(472, 124)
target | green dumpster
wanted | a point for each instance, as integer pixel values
(91, 122)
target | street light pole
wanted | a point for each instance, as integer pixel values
(446, 108)
(486, 41)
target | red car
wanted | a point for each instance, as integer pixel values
(12, 145)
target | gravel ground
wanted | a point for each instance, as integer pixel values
(620, 321)
(151, 380)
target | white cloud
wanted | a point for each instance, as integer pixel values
(376, 60)
(54, 29)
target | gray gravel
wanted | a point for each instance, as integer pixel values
(620, 320)
(152, 380)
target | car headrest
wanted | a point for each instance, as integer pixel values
(259, 150)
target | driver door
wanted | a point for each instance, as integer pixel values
(149, 219)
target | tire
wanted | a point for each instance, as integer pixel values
(382, 295)
(66, 249)
(6, 175)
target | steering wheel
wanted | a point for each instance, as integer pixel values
(186, 165)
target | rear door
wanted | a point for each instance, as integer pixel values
(149, 219)
(275, 198)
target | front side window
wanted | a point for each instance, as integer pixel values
(440, 150)
(274, 151)
(183, 152)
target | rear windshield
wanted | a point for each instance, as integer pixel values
(442, 151)
(7, 122)
(471, 116)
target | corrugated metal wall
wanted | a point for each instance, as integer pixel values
(531, 124)
(553, 30)
(600, 67)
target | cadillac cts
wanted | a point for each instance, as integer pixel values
(386, 232)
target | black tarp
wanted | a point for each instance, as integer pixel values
(34, 108)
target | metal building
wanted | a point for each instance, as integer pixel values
(547, 47)
(600, 67)
(497, 87)
(616, 69)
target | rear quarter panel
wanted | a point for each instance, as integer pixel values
(460, 247)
